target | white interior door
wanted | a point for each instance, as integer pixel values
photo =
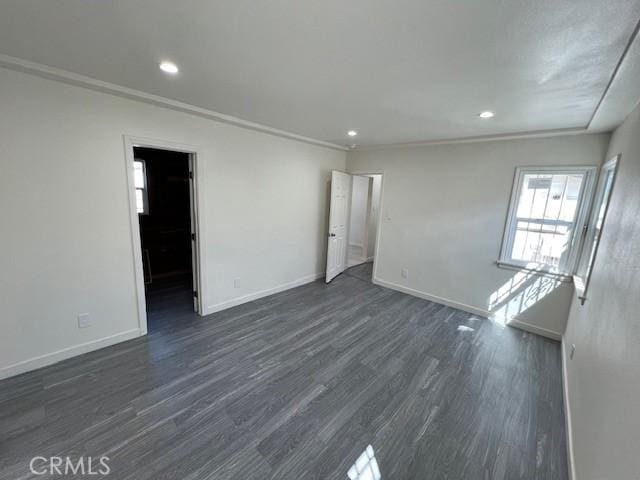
(338, 224)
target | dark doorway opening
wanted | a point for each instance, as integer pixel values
(163, 201)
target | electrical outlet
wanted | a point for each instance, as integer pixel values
(236, 283)
(404, 273)
(84, 320)
(573, 351)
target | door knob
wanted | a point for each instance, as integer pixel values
(332, 234)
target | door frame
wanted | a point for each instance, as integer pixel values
(197, 206)
(376, 252)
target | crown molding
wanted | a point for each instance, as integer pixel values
(485, 138)
(622, 94)
(71, 78)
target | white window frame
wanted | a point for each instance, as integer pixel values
(145, 195)
(567, 266)
(590, 244)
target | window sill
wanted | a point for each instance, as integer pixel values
(562, 277)
(579, 284)
(581, 288)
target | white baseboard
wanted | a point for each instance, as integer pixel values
(263, 293)
(370, 259)
(467, 308)
(433, 298)
(527, 327)
(54, 357)
(567, 415)
(353, 261)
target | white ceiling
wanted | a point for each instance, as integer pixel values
(395, 70)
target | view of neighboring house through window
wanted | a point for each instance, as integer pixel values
(547, 212)
(140, 180)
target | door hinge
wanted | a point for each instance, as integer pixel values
(193, 237)
(191, 175)
(195, 293)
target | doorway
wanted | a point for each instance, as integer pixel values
(363, 222)
(363, 225)
(163, 200)
(355, 206)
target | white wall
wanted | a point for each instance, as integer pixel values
(375, 214)
(358, 218)
(603, 378)
(443, 217)
(64, 217)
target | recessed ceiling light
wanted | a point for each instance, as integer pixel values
(352, 133)
(486, 114)
(169, 67)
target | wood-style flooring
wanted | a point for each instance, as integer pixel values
(296, 386)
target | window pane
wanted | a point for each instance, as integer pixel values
(556, 196)
(138, 174)
(139, 200)
(534, 196)
(571, 197)
(545, 216)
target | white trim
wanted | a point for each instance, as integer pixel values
(198, 211)
(467, 308)
(558, 132)
(578, 285)
(527, 327)
(588, 239)
(71, 78)
(353, 261)
(59, 355)
(130, 142)
(359, 245)
(136, 244)
(263, 293)
(541, 272)
(433, 298)
(568, 262)
(616, 70)
(53, 73)
(567, 415)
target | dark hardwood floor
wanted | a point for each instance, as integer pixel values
(296, 386)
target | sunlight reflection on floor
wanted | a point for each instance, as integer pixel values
(366, 467)
(519, 293)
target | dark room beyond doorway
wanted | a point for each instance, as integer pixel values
(163, 200)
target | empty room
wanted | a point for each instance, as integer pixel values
(320, 240)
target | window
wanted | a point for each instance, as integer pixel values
(546, 206)
(140, 181)
(596, 223)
